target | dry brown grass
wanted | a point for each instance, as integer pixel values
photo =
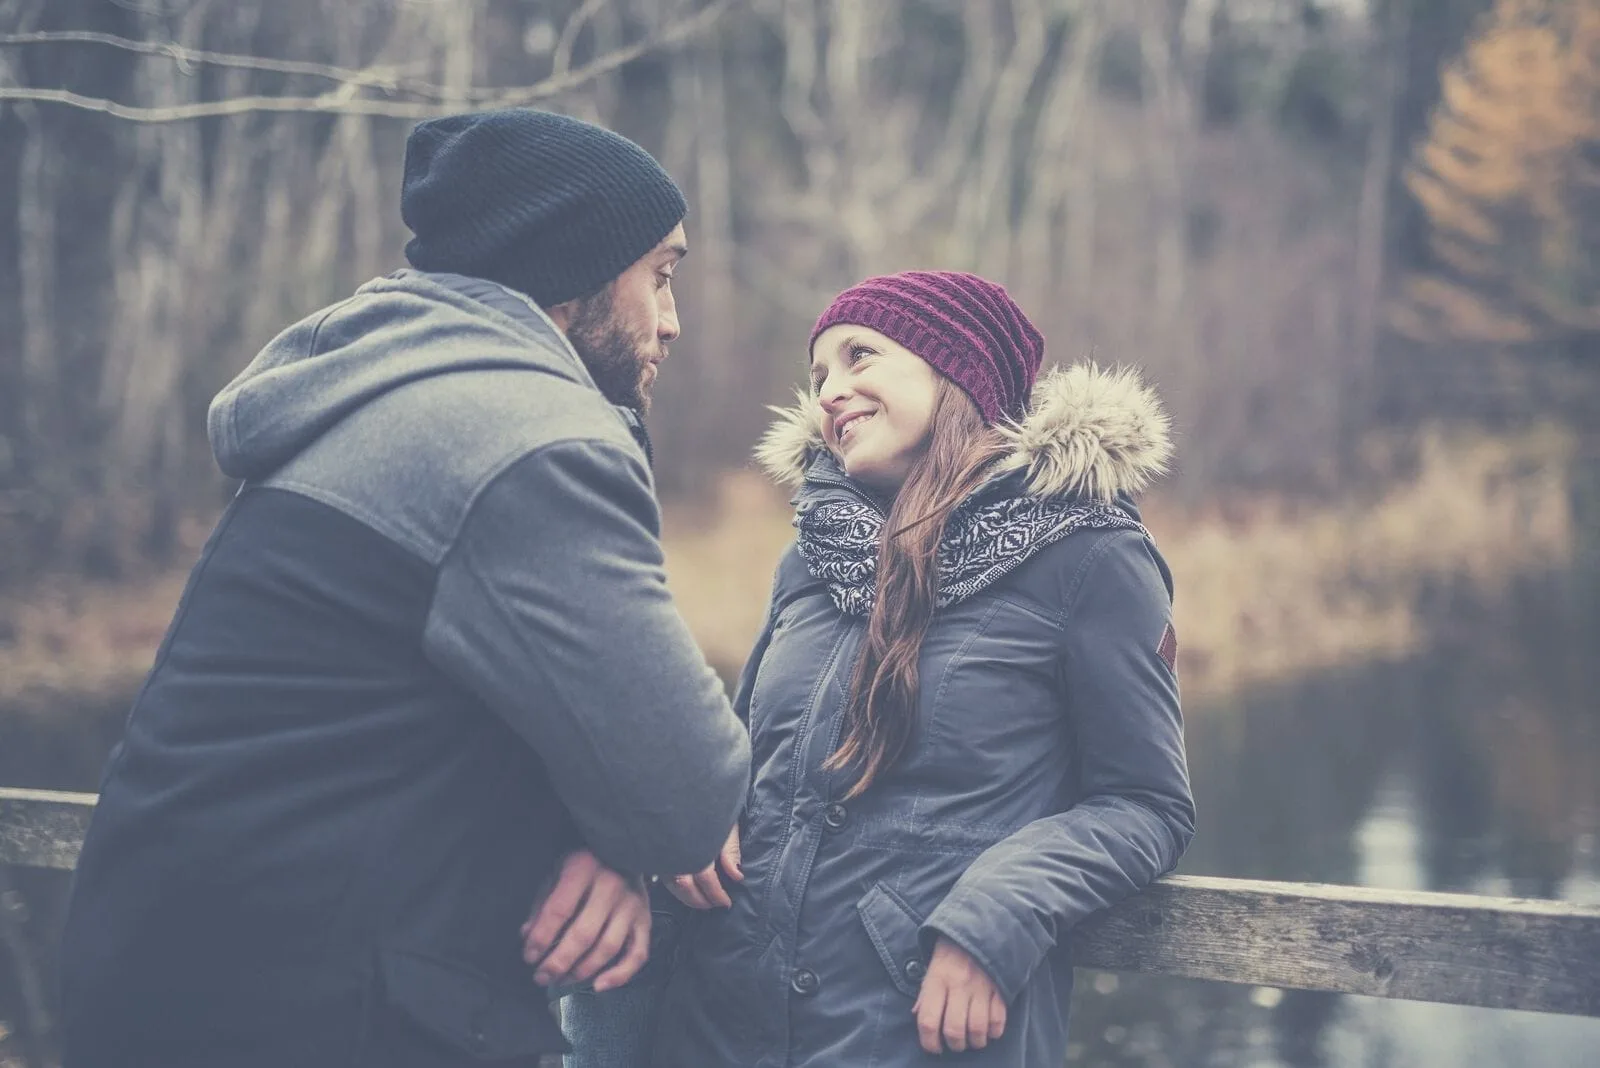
(86, 641)
(1281, 592)
(720, 563)
(1265, 592)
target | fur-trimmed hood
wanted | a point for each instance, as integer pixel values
(1088, 433)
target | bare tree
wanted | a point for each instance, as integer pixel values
(818, 141)
(219, 233)
(350, 95)
(1373, 211)
(1055, 255)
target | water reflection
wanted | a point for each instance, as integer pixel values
(1372, 1031)
(1474, 768)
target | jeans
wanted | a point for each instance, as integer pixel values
(610, 1030)
(614, 1029)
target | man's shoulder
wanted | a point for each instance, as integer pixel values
(505, 380)
(411, 463)
(476, 421)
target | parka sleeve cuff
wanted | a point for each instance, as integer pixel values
(1001, 943)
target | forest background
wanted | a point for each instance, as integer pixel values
(1355, 244)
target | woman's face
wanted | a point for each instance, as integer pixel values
(878, 400)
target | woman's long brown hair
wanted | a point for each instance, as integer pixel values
(882, 705)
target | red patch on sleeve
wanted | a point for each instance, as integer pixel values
(1168, 649)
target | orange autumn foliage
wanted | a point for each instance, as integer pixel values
(1509, 179)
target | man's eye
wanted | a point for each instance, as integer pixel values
(663, 280)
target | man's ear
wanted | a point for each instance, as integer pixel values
(570, 311)
(562, 314)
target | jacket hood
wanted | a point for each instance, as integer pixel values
(1089, 433)
(395, 331)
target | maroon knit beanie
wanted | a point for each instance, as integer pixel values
(966, 327)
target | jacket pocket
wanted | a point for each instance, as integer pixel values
(893, 925)
(458, 1014)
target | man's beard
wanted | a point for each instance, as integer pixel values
(615, 359)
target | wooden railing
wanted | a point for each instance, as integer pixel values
(1455, 948)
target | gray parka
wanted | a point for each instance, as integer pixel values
(1045, 779)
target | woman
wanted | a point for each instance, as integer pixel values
(963, 709)
(963, 706)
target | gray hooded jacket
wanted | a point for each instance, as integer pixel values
(1045, 778)
(428, 649)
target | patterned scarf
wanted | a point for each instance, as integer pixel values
(839, 542)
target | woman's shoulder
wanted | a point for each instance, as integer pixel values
(793, 578)
(792, 570)
(1056, 577)
(1092, 440)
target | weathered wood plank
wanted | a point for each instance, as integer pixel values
(1503, 953)
(42, 828)
(1454, 948)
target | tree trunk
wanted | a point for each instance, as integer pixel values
(1372, 244)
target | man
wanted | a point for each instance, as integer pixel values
(427, 659)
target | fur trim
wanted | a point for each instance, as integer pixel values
(793, 440)
(1091, 433)
(1088, 433)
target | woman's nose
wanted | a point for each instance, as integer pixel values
(833, 394)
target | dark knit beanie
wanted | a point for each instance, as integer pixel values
(547, 204)
(965, 326)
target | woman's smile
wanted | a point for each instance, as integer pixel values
(845, 429)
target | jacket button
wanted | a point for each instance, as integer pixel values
(915, 970)
(804, 982)
(835, 816)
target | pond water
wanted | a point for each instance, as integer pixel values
(1473, 768)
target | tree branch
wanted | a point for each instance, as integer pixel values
(344, 101)
(376, 78)
(569, 35)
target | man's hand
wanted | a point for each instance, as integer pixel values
(704, 890)
(589, 917)
(958, 1004)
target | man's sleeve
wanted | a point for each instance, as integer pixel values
(552, 606)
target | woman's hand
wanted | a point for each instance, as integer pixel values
(958, 1007)
(592, 919)
(704, 890)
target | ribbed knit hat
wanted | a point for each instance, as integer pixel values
(967, 327)
(547, 204)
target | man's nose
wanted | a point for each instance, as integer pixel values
(667, 330)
